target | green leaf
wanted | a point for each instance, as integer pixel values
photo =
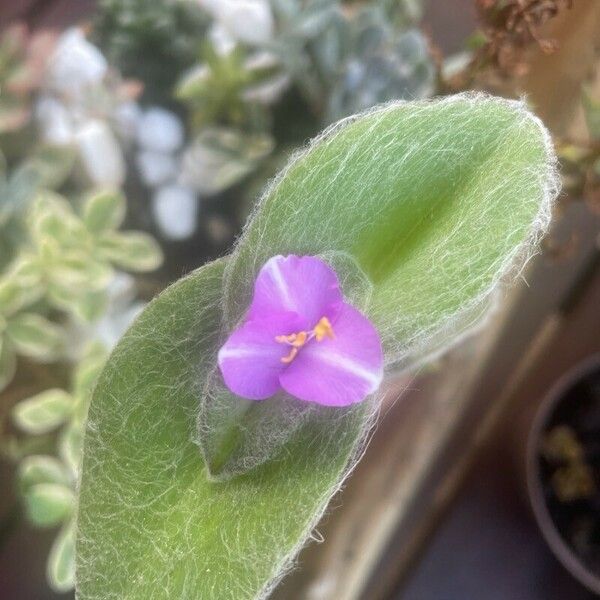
(104, 210)
(140, 462)
(88, 369)
(8, 362)
(26, 271)
(11, 296)
(43, 412)
(34, 336)
(77, 273)
(434, 202)
(19, 287)
(51, 216)
(17, 194)
(219, 157)
(52, 164)
(47, 504)
(41, 469)
(434, 218)
(91, 306)
(70, 446)
(61, 561)
(130, 250)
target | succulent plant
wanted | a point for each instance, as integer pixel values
(376, 62)
(219, 157)
(152, 41)
(223, 89)
(48, 483)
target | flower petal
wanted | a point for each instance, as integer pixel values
(302, 284)
(250, 359)
(338, 371)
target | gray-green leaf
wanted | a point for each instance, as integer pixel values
(61, 561)
(35, 336)
(103, 211)
(43, 412)
(8, 362)
(42, 469)
(130, 250)
(47, 504)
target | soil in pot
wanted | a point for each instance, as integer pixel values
(569, 468)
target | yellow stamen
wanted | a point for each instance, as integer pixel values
(296, 340)
(290, 357)
(323, 329)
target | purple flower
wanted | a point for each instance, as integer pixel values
(299, 335)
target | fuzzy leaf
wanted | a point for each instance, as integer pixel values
(434, 202)
(140, 462)
(43, 412)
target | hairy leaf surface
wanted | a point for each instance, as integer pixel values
(151, 524)
(435, 203)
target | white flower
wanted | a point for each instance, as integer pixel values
(75, 64)
(100, 154)
(156, 168)
(175, 210)
(160, 130)
(247, 21)
(54, 120)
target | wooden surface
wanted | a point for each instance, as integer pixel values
(472, 554)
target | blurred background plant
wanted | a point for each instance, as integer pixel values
(178, 144)
(62, 258)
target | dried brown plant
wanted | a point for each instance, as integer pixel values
(510, 27)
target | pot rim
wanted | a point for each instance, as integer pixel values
(561, 550)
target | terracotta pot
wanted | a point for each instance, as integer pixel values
(559, 546)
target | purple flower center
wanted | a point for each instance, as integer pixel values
(301, 336)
